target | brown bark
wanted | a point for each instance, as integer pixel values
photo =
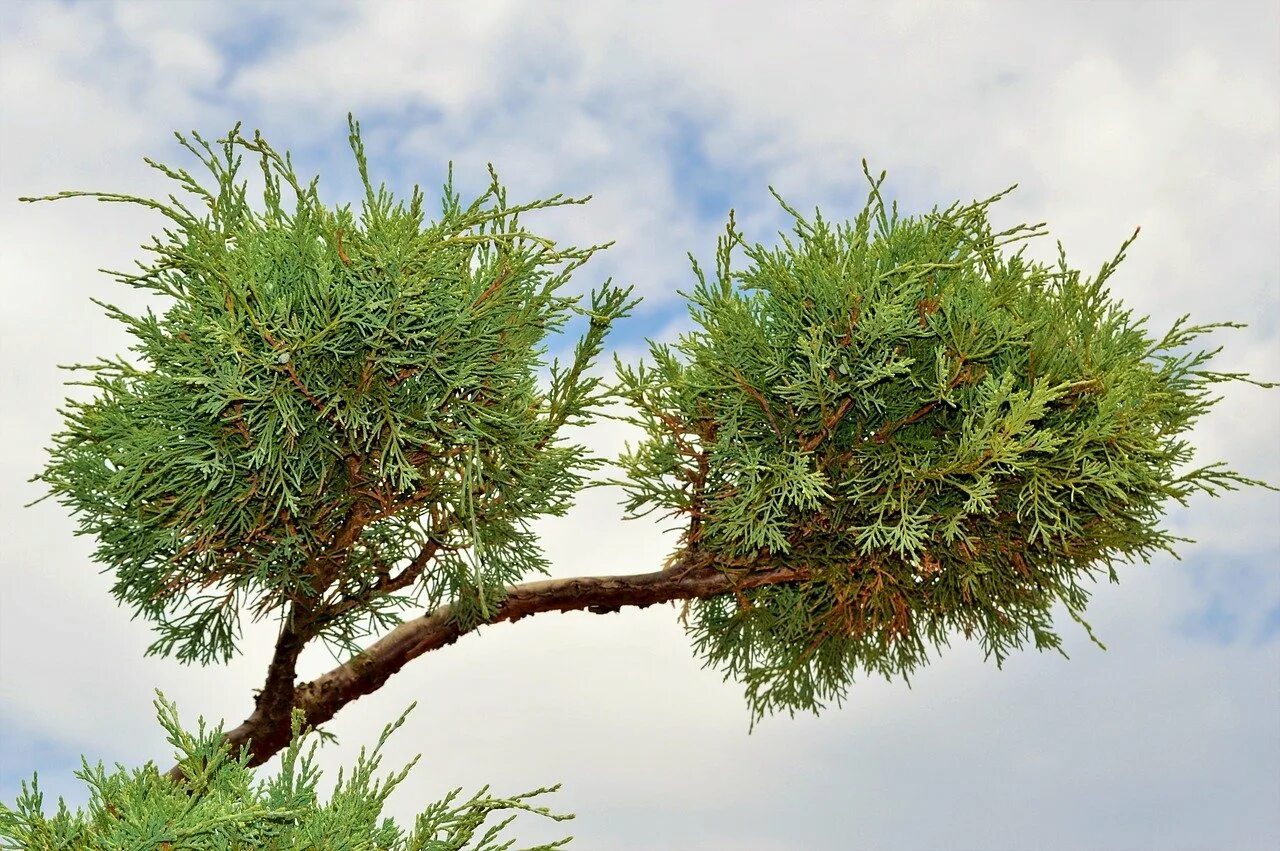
(267, 730)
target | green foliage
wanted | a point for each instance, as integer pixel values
(220, 807)
(338, 415)
(949, 437)
(331, 408)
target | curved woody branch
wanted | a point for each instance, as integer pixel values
(267, 730)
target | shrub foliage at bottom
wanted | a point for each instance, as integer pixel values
(220, 807)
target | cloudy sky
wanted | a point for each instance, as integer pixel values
(1108, 115)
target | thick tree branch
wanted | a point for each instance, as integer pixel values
(266, 733)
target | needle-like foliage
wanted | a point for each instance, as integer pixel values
(880, 434)
(337, 411)
(950, 437)
(221, 808)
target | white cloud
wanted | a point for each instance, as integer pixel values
(1109, 115)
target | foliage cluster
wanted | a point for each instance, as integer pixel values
(951, 437)
(220, 808)
(336, 411)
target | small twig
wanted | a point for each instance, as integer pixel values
(342, 255)
(386, 584)
(493, 288)
(834, 420)
(886, 431)
(302, 388)
(290, 371)
(763, 402)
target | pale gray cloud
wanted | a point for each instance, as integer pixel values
(1109, 115)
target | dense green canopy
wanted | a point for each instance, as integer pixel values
(326, 398)
(953, 438)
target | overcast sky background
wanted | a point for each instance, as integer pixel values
(1108, 115)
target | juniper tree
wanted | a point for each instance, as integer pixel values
(878, 435)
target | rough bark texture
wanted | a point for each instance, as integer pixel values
(267, 730)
